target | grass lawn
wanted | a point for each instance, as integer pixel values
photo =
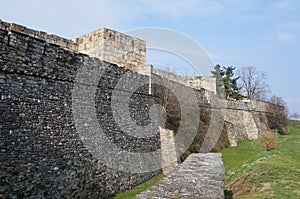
(132, 193)
(253, 172)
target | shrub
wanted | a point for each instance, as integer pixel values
(268, 139)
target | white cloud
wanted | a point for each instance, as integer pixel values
(291, 26)
(287, 37)
(79, 17)
(288, 31)
(55, 16)
(293, 100)
(68, 18)
(176, 9)
(284, 4)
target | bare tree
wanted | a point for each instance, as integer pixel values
(278, 114)
(252, 82)
(168, 100)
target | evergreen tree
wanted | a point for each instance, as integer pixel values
(226, 82)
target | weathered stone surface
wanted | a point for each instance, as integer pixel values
(42, 154)
(49, 38)
(247, 118)
(199, 176)
(169, 153)
(114, 47)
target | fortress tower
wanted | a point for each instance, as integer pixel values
(114, 47)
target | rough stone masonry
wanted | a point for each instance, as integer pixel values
(42, 154)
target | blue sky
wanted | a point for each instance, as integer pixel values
(260, 33)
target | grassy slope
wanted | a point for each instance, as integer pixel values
(252, 172)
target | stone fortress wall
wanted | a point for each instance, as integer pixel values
(42, 155)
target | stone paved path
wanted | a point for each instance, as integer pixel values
(199, 176)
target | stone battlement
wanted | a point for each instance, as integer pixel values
(105, 44)
(49, 38)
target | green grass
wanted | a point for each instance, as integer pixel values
(142, 187)
(253, 172)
